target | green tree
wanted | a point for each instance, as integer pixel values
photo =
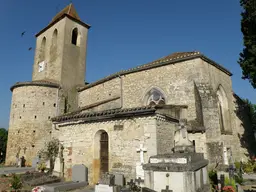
(252, 113)
(3, 143)
(247, 58)
(50, 152)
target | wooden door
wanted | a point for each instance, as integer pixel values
(103, 152)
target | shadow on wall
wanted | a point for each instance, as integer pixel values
(247, 139)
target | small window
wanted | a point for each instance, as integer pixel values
(20, 117)
(49, 117)
(74, 36)
(23, 105)
(35, 116)
(34, 131)
(43, 103)
(33, 146)
(54, 105)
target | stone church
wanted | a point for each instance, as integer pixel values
(102, 124)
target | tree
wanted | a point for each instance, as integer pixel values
(252, 113)
(50, 152)
(247, 58)
(3, 143)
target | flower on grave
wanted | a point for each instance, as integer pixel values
(228, 189)
(38, 189)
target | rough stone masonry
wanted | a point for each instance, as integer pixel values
(101, 124)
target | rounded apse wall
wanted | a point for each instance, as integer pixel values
(32, 108)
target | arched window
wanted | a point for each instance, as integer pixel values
(155, 97)
(54, 38)
(74, 36)
(42, 50)
(223, 110)
(54, 47)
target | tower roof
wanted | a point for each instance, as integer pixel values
(70, 12)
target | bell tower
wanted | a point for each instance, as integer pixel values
(60, 52)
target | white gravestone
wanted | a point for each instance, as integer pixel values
(225, 156)
(139, 165)
(104, 188)
(57, 165)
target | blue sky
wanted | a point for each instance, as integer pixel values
(124, 34)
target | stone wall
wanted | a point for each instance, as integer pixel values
(200, 142)
(81, 144)
(30, 126)
(65, 62)
(101, 92)
(165, 136)
(193, 83)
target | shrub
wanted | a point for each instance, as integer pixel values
(50, 152)
(230, 182)
(15, 182)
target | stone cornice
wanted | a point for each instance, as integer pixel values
(35, 83)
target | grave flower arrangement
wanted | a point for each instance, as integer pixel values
(228, 189)
(15, 182)
(38, 189)
(41, 167)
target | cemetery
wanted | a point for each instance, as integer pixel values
(184, 170)
(170, 125)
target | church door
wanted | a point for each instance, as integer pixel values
(104, 152)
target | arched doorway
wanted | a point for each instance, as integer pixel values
(103, 152)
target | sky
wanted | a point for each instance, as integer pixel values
(124, 34)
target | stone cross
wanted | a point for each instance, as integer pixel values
(183, 144)
(166, 189)
(141, 150)
(131, 183)
(139, 180)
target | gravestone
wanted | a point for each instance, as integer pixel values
(145, 189)
(79, 173)
(105, 188)
(79, 179)
(35, 162)
(107, 179)
(119, 179)
(166, 189)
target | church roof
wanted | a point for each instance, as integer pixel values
(42, 83)
(70, 12)
(110, 114)
(169, 59)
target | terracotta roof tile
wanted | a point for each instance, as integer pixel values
(107, 113)
(69, 10)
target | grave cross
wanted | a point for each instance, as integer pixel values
(139, 180)
(141, 150)
(166, 189)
